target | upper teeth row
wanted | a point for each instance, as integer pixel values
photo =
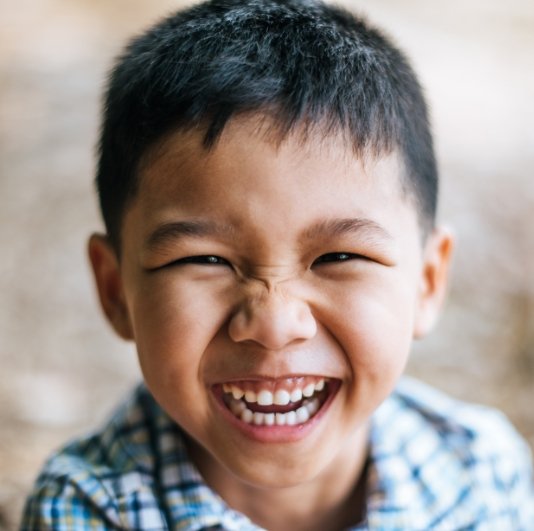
(281, 397)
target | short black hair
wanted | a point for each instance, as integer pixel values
(300, 62)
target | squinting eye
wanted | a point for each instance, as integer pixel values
(202, 260)
(335, 257)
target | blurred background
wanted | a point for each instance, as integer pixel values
(62, 370)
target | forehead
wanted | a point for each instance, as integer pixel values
(250, 140)
(252, 168)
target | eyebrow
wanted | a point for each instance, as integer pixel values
(175, 230)
(341, 227)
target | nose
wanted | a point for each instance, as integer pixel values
(273, 319)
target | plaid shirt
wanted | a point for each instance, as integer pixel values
(435, 463)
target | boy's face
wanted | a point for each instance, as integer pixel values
(271, 272)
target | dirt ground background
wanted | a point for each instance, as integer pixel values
(62, 369)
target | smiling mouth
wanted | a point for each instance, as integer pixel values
(287, 402)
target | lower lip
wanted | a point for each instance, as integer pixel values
(274, 434)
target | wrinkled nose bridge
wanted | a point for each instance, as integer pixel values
(265, 285)
(264, 294)
(272, 313)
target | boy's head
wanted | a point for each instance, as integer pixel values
(301, 64)
(267, 171)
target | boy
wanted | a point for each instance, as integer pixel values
(268, 184)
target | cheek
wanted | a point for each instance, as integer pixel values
(173, 323)
(375, 329)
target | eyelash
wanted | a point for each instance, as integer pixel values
(336, 257)
(207, 259)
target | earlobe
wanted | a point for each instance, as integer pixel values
(434, 280)
(107, 274)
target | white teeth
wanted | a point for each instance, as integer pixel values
(236, 392)
(247, 416)
(296, 395)
(268, 419)
(319, 386)
(265, 398)
(291, 418)
(302, 415)
(282, 397)
(238, 399)
(250, 397)
(309, 390)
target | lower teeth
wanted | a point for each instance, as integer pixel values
(292, 418)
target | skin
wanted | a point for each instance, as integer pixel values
(295, 289)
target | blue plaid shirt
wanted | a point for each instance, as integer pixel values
(435, 463)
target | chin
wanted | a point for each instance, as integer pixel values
(275, 475)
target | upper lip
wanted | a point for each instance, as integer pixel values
(272, 384)
(272, 378)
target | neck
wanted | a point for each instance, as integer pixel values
(333, 500)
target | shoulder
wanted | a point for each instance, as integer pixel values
(462, 463)
(102, 481)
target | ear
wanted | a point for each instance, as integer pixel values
(434, 279)
(107, 274)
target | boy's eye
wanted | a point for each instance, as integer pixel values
(336, 257)
(207, 259)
